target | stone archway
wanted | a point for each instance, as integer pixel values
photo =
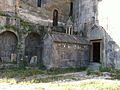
(33, 46)
(8, 45)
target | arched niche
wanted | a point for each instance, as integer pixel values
(8, 45)
(33, 46)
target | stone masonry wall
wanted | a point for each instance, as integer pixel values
(47, 52)
(109, 49)
(85, 11)
(70, 55)
(7, 5)
(112, 51)
(47, 8)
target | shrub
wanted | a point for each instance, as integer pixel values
(105, 69)
(22, 64)
(92, 72)
(65, 70)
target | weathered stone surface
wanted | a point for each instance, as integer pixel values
(33, 60)
(13, 57)
(31, 27)
(7, 66)
(85, 11)
(63, 52)
(7, 5)
(47, 8)
(94, 66)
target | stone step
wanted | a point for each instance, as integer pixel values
(94, 66)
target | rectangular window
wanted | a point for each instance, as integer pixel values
(39, 3)
(71, 9)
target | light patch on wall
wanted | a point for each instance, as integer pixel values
(10, 2)
(109, 18)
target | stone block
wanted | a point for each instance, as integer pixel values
(13, 57)
(33, 60)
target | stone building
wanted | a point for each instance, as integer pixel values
(64, 50)
(55, 33)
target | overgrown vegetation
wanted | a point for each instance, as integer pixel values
(92, 72)
(14, 73)
(20, 72)
(26, 25)
(11, 27)
(54, 74)
(105, 69)
(115, 74)
(2, 13)
(65, 70)
(23, 73)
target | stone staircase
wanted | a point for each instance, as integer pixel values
(94, 66)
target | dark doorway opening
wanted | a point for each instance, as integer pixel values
(96, 52)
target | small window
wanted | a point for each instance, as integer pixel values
(71, 9)
(39, 3)
(55, 17)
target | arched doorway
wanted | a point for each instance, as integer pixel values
(8, 45)
(33, 46)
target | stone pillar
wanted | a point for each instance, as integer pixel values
(69, 31)
(21, 49)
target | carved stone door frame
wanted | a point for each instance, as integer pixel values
(101, 47)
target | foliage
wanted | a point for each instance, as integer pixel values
(115, 74)
(11, 27)
(51, 75)
(13, 62)
(65, 70)
(22, 64)
(2, 13)
(21, 73)
(105, 69)
(26, 25)
(92, 72)
(41, 66)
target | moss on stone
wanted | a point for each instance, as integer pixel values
(26, 25)
(2, 13)
(13, 27)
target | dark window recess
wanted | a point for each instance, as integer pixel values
(39, 3)
(71, 9)
(55, 17)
